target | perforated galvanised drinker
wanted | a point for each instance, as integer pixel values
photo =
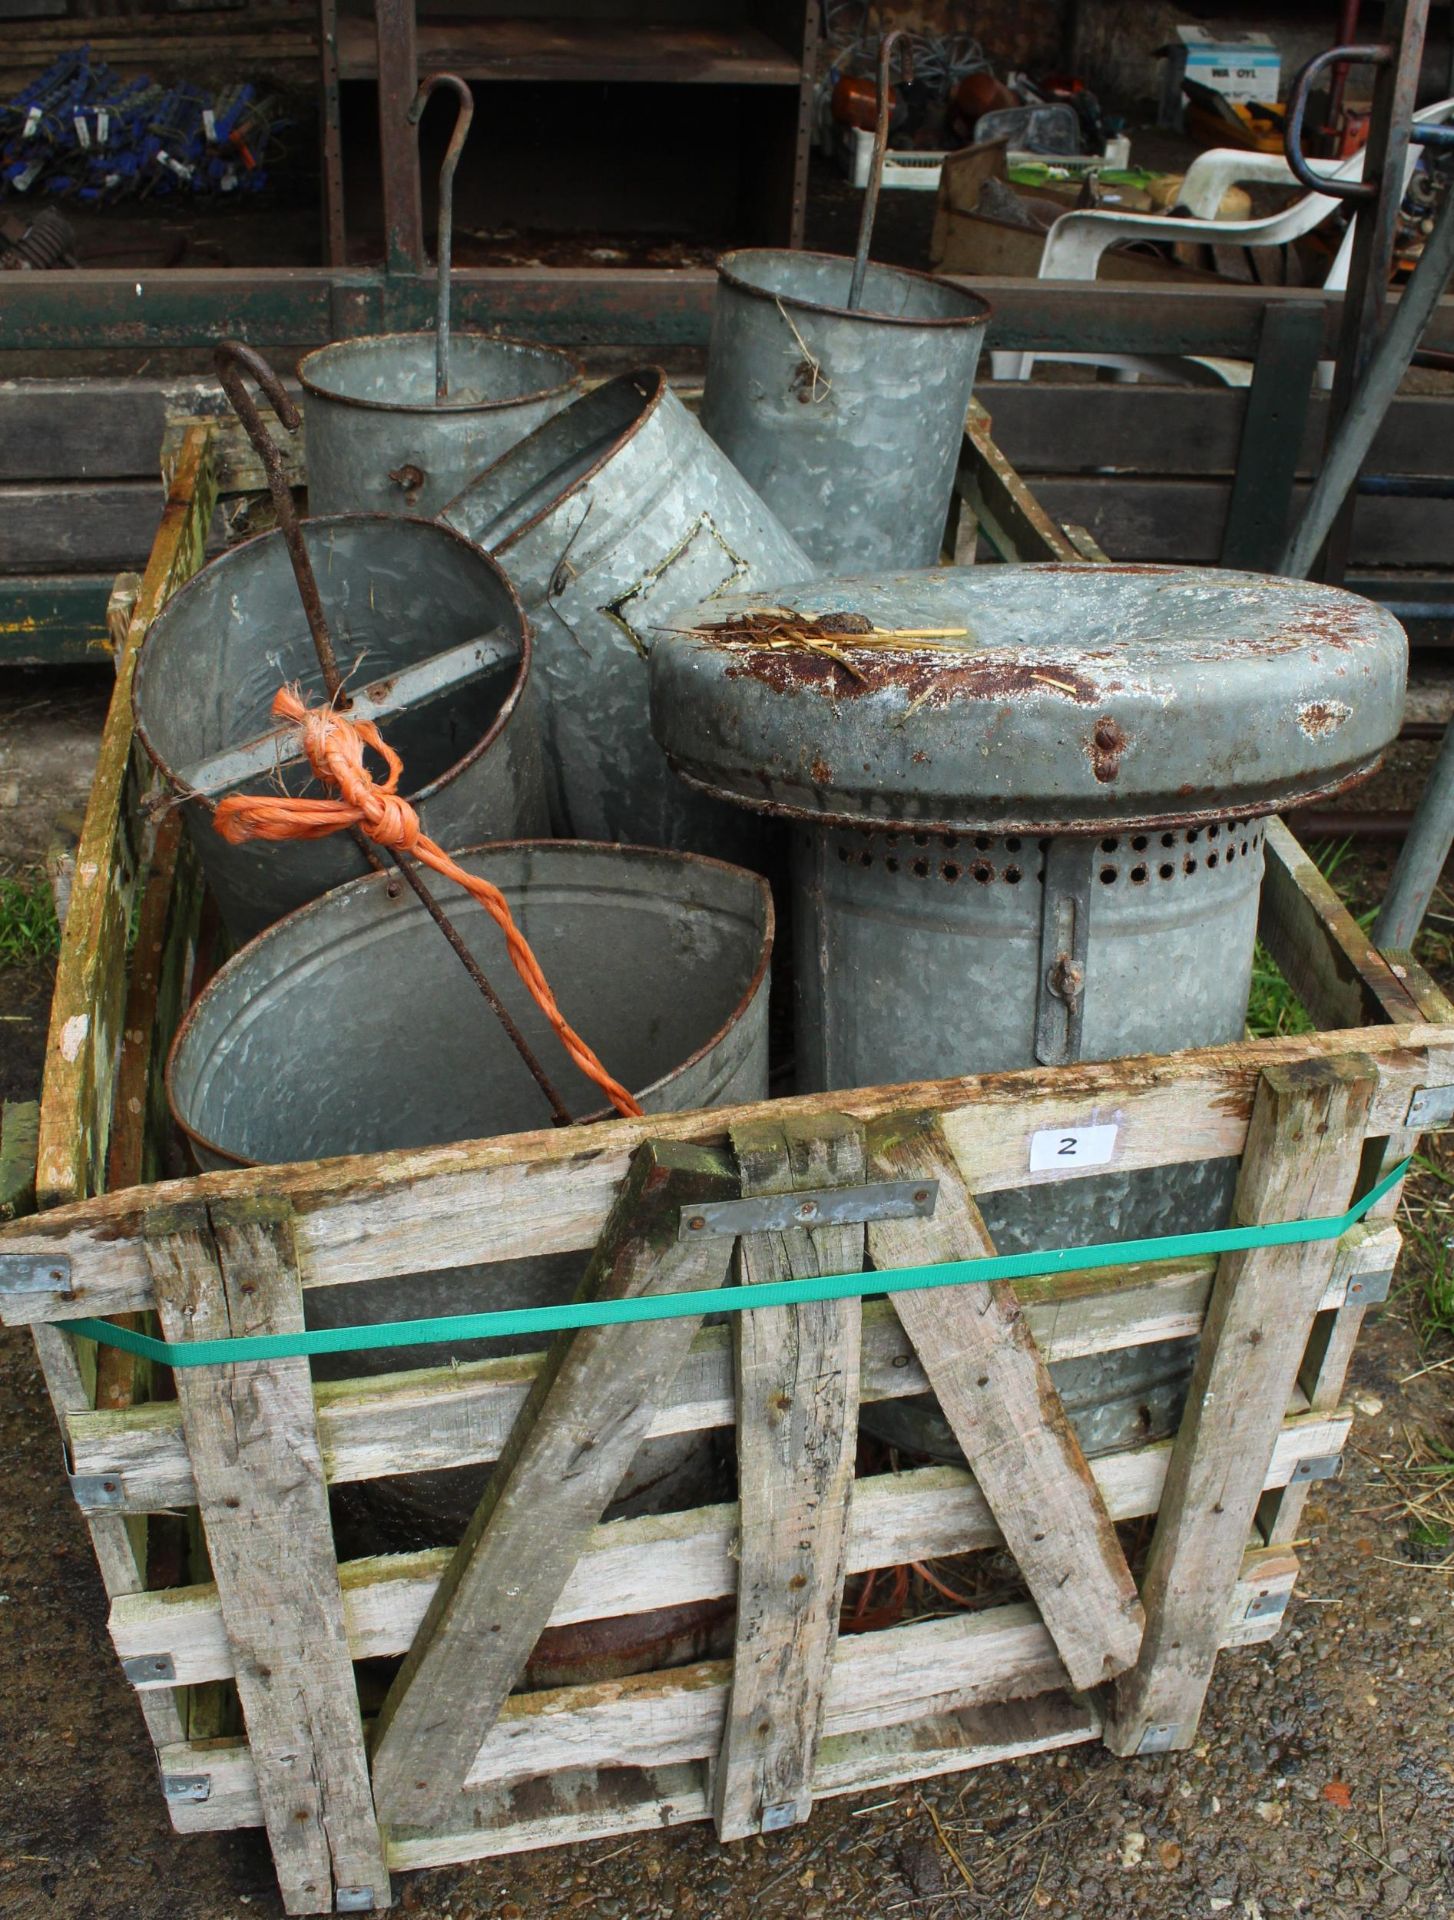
(431, 643)
(848, 421)
(609, 519)
(1037, 837)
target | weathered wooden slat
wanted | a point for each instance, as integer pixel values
(118, 1543)
(93, 429)
(153, 1007)
(588, 1412)
(1003, 507)
(54, 621)
(669, 1560)
(1335, 1332)
(459, 1416)
(78, 527)
(1273, 427)
(254, 1449)
(539, 1193)
(81, 1046)
(1058, 428)
(874, 1679)
(102, 428)
(1303, 1154)
(575, 1806)
(1427, 995)
(1184, 520)
(995, 1390)
(90, 977)
(797, 1374)
(1325, 956)
(94, 308)
(19, 1132)
(236, 464)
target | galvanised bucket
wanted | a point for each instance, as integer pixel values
(379, 441)
(849, 423)
(1035, 836)
(432, 644)
(608, 519)
(659, 959)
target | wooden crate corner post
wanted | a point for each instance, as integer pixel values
(797, 1378)
(231, 1271)
(1302, 1161)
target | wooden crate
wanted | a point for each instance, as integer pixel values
(207, 1491)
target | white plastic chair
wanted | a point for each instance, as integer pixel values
(1076, 242)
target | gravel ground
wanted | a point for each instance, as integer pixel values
(1322, 1785)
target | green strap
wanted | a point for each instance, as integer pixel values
(451, 1327)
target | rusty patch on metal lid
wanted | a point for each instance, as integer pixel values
(1319, 718)
(810, 654)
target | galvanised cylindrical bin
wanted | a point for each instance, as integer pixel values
(608, 519)
(378, 440)
(1036, 837)
(397, 593)
(849, 423)
(659, 959)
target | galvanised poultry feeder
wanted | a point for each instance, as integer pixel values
(1028, 806)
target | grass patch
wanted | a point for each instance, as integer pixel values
(1273, 1011)
(29, 930)
(1428, 1218)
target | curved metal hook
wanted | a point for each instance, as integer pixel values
(1297, 106)
(886, 46)
(232, 360)
(452, 152)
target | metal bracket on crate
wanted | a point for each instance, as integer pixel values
(193, 1788)
(353, 1899)
(149, 1669)
(34, 1272)
(1369, 1289)
(776, 1819)
(1157, 1740)
(1430, 1107)
(1263, 1607)
(96, 1492)
(1316, 1466)
(822, 1207)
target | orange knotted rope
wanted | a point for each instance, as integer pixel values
(334, 745)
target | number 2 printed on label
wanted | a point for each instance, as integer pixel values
(1072, 1147)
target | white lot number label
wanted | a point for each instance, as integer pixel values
(1071, 1147)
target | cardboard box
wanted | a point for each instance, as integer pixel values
(1241, 66)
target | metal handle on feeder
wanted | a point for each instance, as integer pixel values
(446, 209)
(1297, 106)
(886, 47)
(232, 360)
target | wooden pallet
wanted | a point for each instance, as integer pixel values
(207, 1493)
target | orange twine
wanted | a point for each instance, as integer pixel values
(334, 745)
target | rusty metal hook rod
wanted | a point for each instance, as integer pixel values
(559, 1112)
(232, 359)
(446, 210)
(886, 47)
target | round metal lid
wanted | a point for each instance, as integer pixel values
(1035, 699)
(394, 373)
